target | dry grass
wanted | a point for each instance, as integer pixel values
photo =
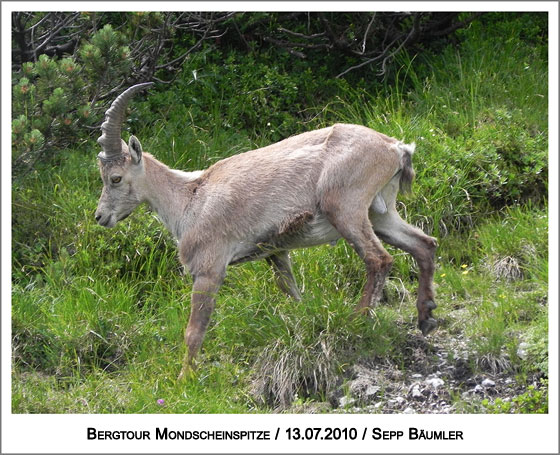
(506, 268)
(285, 372)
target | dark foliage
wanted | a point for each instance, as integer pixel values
(356, 40)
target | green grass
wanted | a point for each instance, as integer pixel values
(98, 315)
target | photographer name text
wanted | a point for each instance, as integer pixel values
(289, 433)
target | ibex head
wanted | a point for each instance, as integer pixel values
(120, 164)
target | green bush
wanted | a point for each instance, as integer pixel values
(261, 94)
(56, 100)
(534, 401)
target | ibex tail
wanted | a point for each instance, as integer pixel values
(407, 172)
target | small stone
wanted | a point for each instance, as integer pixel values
(522, 351)
(416, 376)
(415, 391)
(488, 383)
(478, 389)
(346, 401)
(409, 410)
(372, 390)
(400, 400)
(435, 382)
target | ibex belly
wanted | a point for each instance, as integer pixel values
(316, 231)
(299, 231)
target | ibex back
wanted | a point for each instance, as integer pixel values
(310, 189)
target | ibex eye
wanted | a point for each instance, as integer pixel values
(116, 179)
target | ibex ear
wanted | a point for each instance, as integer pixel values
(135, 149)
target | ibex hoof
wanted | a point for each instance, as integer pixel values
(185, 374)
(427, 325)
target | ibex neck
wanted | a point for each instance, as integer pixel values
(168, 192)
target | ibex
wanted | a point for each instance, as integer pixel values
(310, 189)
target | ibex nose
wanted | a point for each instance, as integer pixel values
(97, 217)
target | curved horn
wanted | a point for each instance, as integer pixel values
(110, 139)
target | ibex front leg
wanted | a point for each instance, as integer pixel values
(203, 301)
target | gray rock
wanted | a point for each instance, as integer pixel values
(371, 390)
(346, 401)
(488, 383)
(435, 382)
(415, 391)
(522, 351)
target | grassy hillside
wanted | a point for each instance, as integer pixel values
(98, 315)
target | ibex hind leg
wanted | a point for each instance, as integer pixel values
(356, 229)
(282, 267)
(391, 228)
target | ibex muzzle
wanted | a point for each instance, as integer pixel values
(310, 189)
